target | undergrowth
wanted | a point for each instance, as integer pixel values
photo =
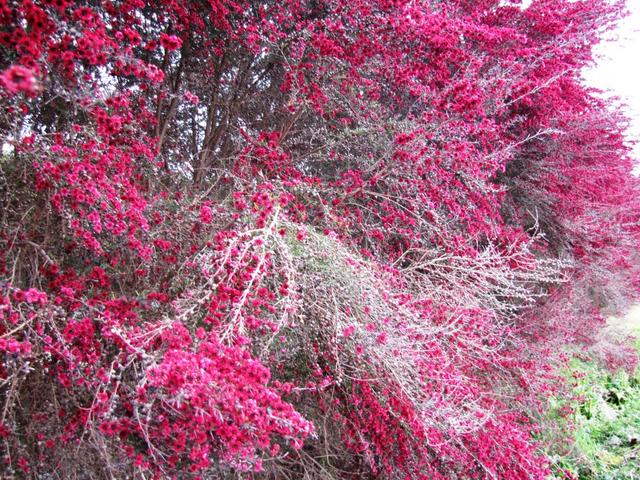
(601, 422)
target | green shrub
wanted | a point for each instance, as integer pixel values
(603, 424)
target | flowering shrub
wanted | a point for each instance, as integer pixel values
(301, 239)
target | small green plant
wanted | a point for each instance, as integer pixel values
(601, 423)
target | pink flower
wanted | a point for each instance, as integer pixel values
(35, 296)
(348, 331)
(191, 98)
(18, 79)
(170, 42)
(23, 464)
(206, 215)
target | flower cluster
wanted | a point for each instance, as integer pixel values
(324, 239)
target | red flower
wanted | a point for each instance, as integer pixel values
(18, 79)
(170, 42)
(206, 215)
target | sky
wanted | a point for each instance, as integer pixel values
(618, 68)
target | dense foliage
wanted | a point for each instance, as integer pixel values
(601, 420)
(301, 238)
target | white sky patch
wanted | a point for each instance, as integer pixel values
(618, 68)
